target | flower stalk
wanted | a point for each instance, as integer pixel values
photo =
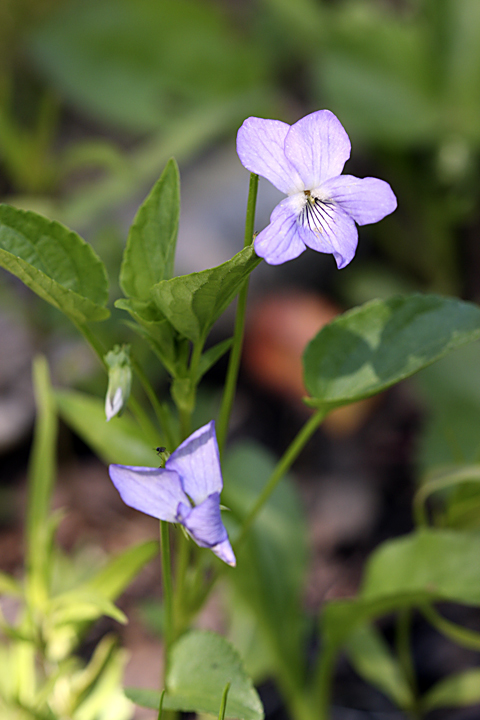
(236, 350)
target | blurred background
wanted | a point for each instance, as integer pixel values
(96, 95)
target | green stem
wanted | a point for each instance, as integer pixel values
(223, 704)
(93, 341)
(282, 467)
(167, 591)
(162, 413)
(323, 681)
(236, 351)
(186, 409)
(160, 707)
(182, 609)
(404, 653)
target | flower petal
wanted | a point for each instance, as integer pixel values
(204, 522)
(260, 147)
(318, 146)
(224, 551)
(367, 200)
(197, 461)
(280, 241)
(154, 491)
(327, 228)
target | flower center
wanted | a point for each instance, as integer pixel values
(316, 215)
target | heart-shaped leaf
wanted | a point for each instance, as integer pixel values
(201, 664)
(372, 347)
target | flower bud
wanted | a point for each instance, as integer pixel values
(119, 380)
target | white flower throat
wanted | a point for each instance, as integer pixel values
(317, 213)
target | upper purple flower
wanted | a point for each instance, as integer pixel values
(186, 491)
(304, 161)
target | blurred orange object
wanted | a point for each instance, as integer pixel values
(278, 330)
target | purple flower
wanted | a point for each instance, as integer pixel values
(186, 491)
(304, 161)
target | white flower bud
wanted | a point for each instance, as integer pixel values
(119, 380)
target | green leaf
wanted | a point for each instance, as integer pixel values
(410, 564)
(378, 73)
(374, 346)
(144, 64)
(372, 659)
(153, 326)
(121, 440)
(450, 390)
(192, 303)
(98, 691)
(462, 500)
(112, 580)
(82, 604)
(456, 690)
(213, 355)
(459, 24)
(201, 664)
(41, 477)
(150, 251)
(276, 540)
(9, 586)
(404, 573)
(54, 262)
(144, 697)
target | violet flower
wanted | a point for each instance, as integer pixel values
(186, 491)
(304, 161)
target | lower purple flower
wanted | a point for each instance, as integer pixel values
(186, 491)
(305, 161)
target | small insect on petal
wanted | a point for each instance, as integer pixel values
(185, 490)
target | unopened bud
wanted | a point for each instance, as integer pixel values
(119, 380)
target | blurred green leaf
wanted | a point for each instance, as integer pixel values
(271, 563)
(9, 586)
(374, 346)
(246, 633)
(460, 487)
(55, 263)
(182, 138)
(40, 525)
(139, 65)
(458, 28)
(379, 74)
(150, 251)
(97, 689)
(201, 664)
(79, 605)
(406, 572)
(121, 440)
(450, 390)
(112, 579)
(192, 303)
(456, 633)
(373, 660)
(456, 690)
(410, 564)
